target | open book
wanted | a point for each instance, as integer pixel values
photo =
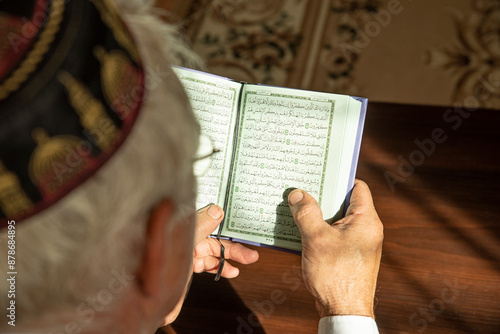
(272, 140)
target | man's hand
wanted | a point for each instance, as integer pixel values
(340, 262)
(206, 255)
(207, 250)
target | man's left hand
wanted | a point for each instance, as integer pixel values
(206, 255)
(207, 250)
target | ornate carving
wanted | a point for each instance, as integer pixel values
(263, 43)
(348, 18)
(242, 13)
(473, 59)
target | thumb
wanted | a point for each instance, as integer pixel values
(207, 220)
(306, 212)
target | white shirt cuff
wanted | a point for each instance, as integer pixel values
(347, 324)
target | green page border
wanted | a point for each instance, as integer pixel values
(242, 116)
(235, 97)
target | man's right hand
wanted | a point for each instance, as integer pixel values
(340, 262)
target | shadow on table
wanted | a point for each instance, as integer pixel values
(215, 307)
(448, 202)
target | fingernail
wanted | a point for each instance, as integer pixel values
(214, 211)
(295, 197)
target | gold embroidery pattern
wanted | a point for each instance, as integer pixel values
(39, 49)
(110, 16)
(120, 80)
(54, 161)
(13, 199)
(92, 113)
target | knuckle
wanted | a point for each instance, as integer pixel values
(201, 250)
(197, 252)
(304, 210)
(377, 233)
(197, 266)
(356, 210)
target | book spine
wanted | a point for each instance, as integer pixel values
(233, 156)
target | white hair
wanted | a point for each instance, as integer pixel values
(67, 252)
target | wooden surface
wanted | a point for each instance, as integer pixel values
(440, 269)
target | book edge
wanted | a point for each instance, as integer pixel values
(357, 148)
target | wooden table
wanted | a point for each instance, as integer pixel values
(440, 269)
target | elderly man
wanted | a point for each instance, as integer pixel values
(97, 142)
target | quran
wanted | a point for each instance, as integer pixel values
(271, 141)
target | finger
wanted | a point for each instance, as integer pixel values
(361, 199)
(239, 253)
(306, 212)
(361, 213)
(205, 263)
(233, 251)
(207, 220)
(229, 271)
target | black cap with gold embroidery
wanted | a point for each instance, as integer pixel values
(71, 87)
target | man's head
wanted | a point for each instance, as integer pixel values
(119, 246)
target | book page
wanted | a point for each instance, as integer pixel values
(214, 101)
(287, 139)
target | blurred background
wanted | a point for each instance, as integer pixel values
(400, 51)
